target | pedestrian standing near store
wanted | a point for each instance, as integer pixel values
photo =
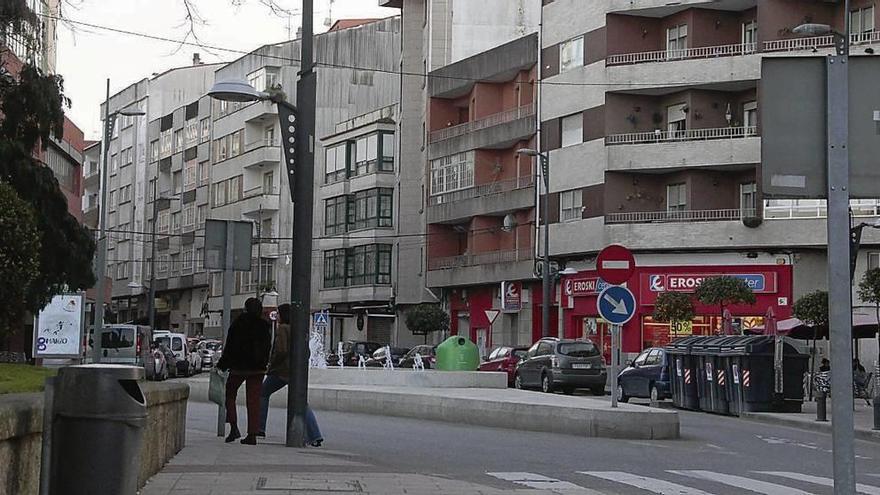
(276, 379)
(246, 356)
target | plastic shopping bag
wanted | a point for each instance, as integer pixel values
(217, 387)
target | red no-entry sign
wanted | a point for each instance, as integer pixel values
(615, 264)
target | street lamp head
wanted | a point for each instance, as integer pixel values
(131, 113)
(236, 90)
(811, 29)
(528, 152)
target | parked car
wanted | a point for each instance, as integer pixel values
(378, 359)
(176, 342)
(646, 377)
(124, 344)
(553, 364)
(504, 359)
(428, 353)
(210, 351)
(352, 350)
(156, 368)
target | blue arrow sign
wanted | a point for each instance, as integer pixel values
(616, 304)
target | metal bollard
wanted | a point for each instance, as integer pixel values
(821, 406)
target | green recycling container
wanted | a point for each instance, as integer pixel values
(457, 353)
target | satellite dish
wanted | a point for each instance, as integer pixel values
(509, 223)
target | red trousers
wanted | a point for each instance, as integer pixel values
(254, 383)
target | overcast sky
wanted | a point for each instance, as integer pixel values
(88, 56)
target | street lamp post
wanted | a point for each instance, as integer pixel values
(297, 131)
(546, 276)
(839, 278)
(101, 262)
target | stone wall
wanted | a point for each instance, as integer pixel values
(21, 433)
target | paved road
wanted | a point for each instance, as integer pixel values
(716, 455)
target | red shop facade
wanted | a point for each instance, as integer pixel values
(772, 285)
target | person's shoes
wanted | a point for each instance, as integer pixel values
(317, 443)
(261, 434)
(249, 440)
(234, 435)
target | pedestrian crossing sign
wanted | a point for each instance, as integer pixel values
(320, 319)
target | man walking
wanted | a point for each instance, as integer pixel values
(246, 355)
(276, 379)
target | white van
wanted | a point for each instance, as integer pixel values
(176, 342)
(124, 344)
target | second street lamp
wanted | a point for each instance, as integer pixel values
(546, 276)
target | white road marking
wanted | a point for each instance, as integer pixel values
(652, 485)
(741, 482)
(540, 482)
(818, 480)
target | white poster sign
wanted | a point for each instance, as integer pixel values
(59, 327)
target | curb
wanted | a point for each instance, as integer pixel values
(822, 427)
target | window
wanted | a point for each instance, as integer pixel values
(267, 233)
(335, 163)
(334, 268)
(676, 197)
(122, 271)
(187, 262)
(862, 24)
(571, 54)
(572, 130)
(750, 35)
(204, 172)
(642, 358)
(164, 222)
(191, 130)
(234, 189)
(177, 182)
(269, 136)
(126, 157)
(165, 143)
(112, 200)
(676, 41)
(335, 215)
(570, 205)
(370, 208)
(151, 190)
(269, 183)
(205, 129)
(124, 194)
(189, 217)
(544, 349)
(174, 263)
(873, 261)
(114, 163)
(361, 265)
(452, 173)
(201, 215)
(676, 116)
(154, 151)
(750, 114)
(178, 140)
(235, 144)
(264, 78)
(748, 199)
(222, 107)
(175, 222)
(198, 259)
(387, 144)
(216, 284)
(190, 175)
(220, 193)
(366, 154)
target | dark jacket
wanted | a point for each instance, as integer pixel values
(279, 365)
(247, 345)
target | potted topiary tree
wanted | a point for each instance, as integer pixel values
(425, 318)
(723, 291)
(674, 308)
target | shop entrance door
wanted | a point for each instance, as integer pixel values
(482, 341)
(598, 332)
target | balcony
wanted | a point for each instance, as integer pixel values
(259, 199)
(683, 149)
(818, 42)
(352, 294)
(486, 199)
(497, 131)
(481, 268)
(260, 153)
(686, 54)
(679, 216)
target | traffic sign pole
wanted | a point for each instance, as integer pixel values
(616, 305)
(615, 347)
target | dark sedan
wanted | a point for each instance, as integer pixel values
(646, 377)
(379, 359)
(351, 352)
(425, 351)
(554, 364)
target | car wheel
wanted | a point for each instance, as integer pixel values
(517, 382)
(655, 394)
(546, 383)
(621, 395)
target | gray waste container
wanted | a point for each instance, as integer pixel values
(98, 423)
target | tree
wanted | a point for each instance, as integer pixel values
(869, 291)
(723, 291)
(673, 308)
(426, 318)
(31, 113)
(19, 256)
(812, 309)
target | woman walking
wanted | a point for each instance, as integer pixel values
(246, 356)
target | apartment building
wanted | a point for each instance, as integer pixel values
(437, 33)
(481, 197)
(91, 184)
(36, 45)
(651, 116)
(356, 74)
(130, 170)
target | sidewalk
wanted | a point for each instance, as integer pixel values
(208, 466)
(863, 419)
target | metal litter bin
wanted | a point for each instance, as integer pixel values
(98, 421)
(682, 373)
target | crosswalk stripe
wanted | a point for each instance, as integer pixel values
(741, 482)
(652, 485)
(540, 482)
(818, 480)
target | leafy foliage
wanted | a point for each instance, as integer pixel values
(812, 309)
(19, 255)
(673, 306)
(723, 291)
(869, 287)
(423, 319)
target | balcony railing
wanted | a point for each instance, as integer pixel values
(659, 136)
(482, 190)
(486, 122)
(816, 42)
(259, 191)
(489, 258)
(260, 143)
(686, 54)
(679, 216)
(789, 209)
